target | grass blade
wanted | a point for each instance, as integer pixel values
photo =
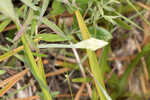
(146, 21)
(103, 59)
(35, 71)
(53, 26)
(44, 6)
(92, 57)
(128, 20)
(30, 4)
(10, 53)
(91, 44)
(6, 7)
(48, 37)
(124, 78)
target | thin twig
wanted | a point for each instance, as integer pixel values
(143, 5)
(77, 97)
(58, 72)
(82, 70)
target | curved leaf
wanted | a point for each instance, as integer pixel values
(100, 33)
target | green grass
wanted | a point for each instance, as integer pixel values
(40, 25)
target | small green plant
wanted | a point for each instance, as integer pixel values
(40, 27)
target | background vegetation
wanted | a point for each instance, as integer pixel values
(74, 50)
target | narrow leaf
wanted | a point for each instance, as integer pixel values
(124, 78)
(10, 53)
(30, 4)
(91, 44)
(128, 20)
(123, 24)
(51, 37)
(44, 7)
(92, 57)
(53, 26)
(81, 80)
(100, 33)
(34, 69)
(6, 7)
